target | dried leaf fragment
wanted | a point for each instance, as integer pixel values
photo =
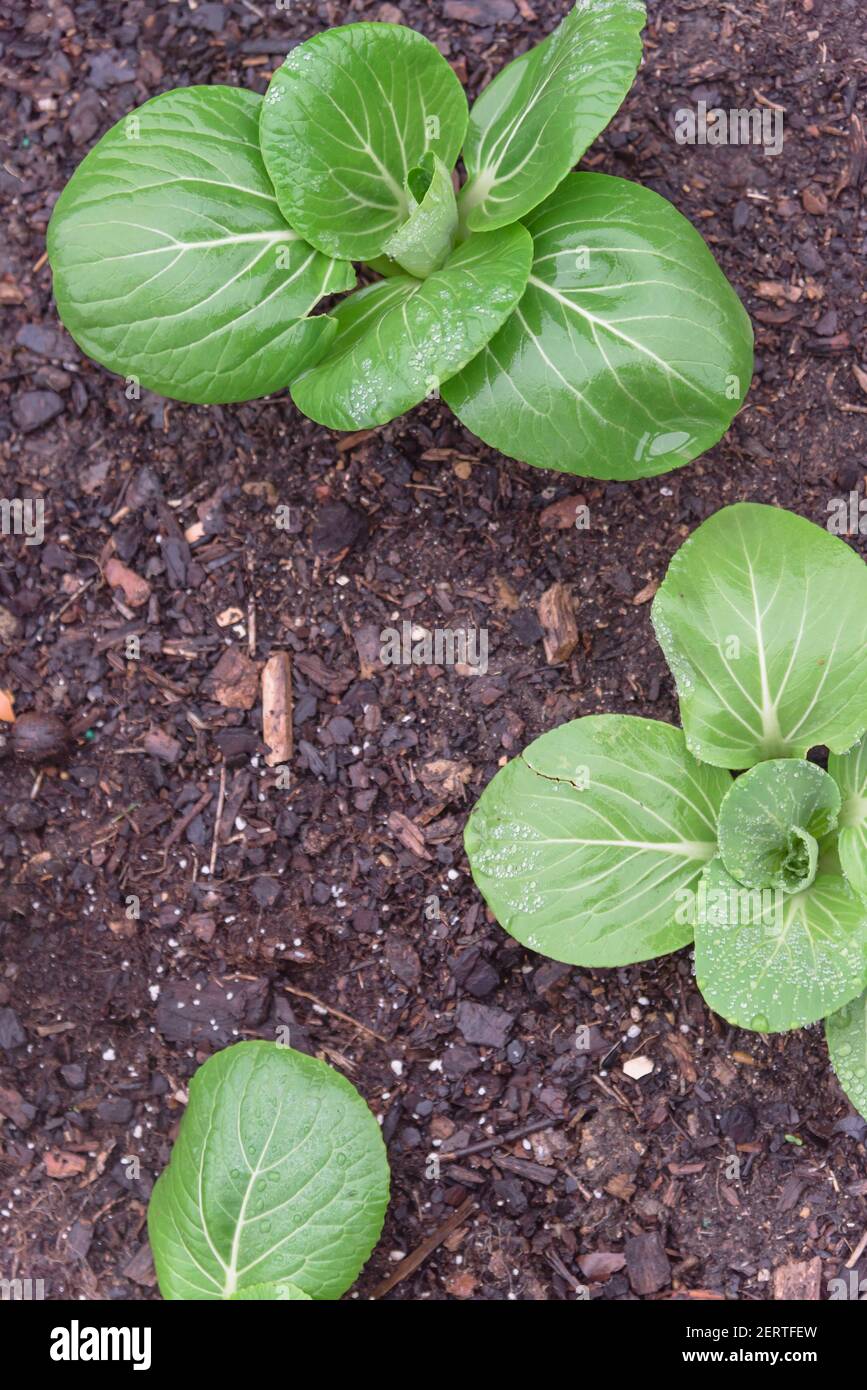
(558, 624)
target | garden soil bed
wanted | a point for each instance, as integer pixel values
(340, 906)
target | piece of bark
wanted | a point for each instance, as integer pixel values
(314, 668)
(409, 834)
(599, 1265)
(277, 708)
(368, 644)
(122, 926)
(158, 744)
(558, 624)
(561, 515)
(16, 1108)
(403, 961)
(647, 1264)
(136, 590)
(141, 1267)
(203, 926)
(533, 1172)
(60, 1164)
(644, 595)
(234, 681)
(799, 1281)
(446, 776)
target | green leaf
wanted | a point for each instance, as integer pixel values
(770, 960)
(846, 1032)
(772, 821)
(384, 265)
(538, 116)
(763, 620)
(398, 339)
(424, 242)
(630, 352)
(849, 771)
(346, 118)
(172, 262)
(278, 1175)
(587, 846)
(282, 1292)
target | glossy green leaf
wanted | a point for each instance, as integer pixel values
(346, 118)
(538, 116)
(846, 1032)
(425, 241)
(849, 771)
(763, 620)
(384, 265)
(772, 822)
(172, 262)
(587, 846)
(278, 1175)
(282, 1292)
(400, 338)
(770, 960)
(630, 352)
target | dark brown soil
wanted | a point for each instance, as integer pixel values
(319, 913)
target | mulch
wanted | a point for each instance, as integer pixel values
(168, 891)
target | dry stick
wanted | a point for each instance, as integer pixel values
(220, 801)
(70, 601)
(111, 832)
(556, 1263)
(618, 1096)
(251, 609)
(338, 1013)
(180, 826)
(427, 1247)
(277, 708)
(500, 1139)
(857, 1252)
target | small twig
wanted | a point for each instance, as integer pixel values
(180, 826)
(500, 1139)
(115, 820)
(338, 1013)
(220, 802)
(771, 105)
(70, 601)
(556, 1263)
(251, 609)
(427, 1247)
(616, 1095)
(857, 1252)
(611, 1051)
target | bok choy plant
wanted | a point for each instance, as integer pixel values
(616, 838)
(574, 321)
(277, 1184)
